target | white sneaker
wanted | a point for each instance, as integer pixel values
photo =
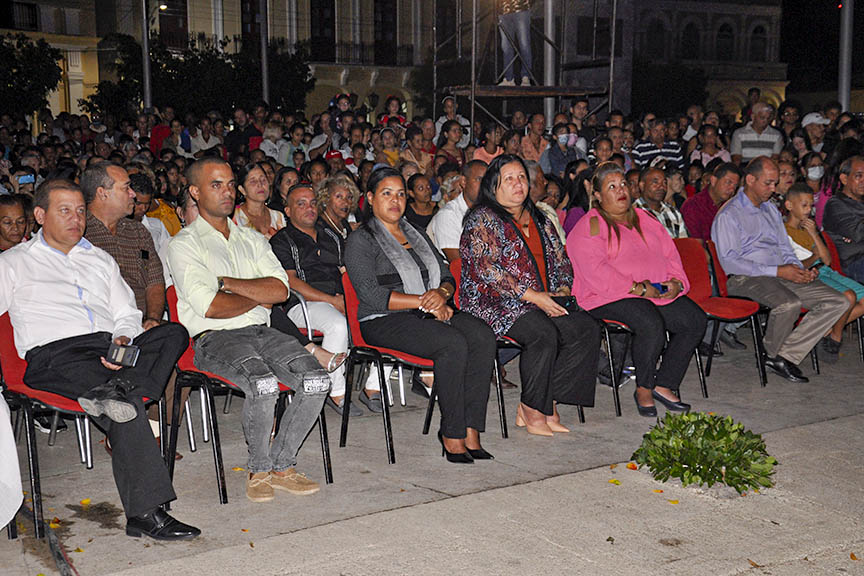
(507, 83)
(526, 81)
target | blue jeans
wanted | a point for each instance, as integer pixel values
(256, 359)
(518, 26)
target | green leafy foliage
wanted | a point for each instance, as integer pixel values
(28, 72)
(705, 449)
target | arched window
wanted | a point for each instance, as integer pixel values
(725, 43)
(655, 41)
(758, 44)
(689, 49)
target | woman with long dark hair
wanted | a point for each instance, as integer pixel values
(516, 277)
(252, 181)
(403, 285)
(448, 143)
(626, 268)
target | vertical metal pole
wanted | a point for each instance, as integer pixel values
(145, 55)
(434, 59)
(218, 23)
(549, 58)
(613, 27)
(459, 29)
(473, 65)
(844, 80)
(594, 34)
(265, 72)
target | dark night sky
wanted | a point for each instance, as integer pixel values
(810, 40)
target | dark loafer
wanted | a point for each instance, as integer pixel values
(730, 340)
(373, 403)
(786, 369)
(160, 525)
(647, 411)
(675, 406)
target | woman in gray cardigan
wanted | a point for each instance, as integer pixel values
(403, 286)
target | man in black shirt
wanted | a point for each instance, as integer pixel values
(237, 141)
(312, 256)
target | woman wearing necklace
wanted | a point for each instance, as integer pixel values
(252, 181)
(336, 197)
(421, 209)
(516, 276)
(403, 285)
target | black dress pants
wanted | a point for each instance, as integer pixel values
(463, 352)
(684, 321)
(559, 358)
(70, 367)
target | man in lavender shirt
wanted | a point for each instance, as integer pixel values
(755, 252)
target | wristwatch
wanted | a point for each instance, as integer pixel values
(221, 284)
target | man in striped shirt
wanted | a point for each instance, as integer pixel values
(655, 148)
(757, 138)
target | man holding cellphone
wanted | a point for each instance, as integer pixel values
(68, 304)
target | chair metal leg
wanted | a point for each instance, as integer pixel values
(581, 412)
(346, 407)
(859, 326)
(205, 429)
(756, 328)
(19, 421)
(12, 528)
(430, 407)
(499, 394)
(702, 383)
(79, 433)
(227, 407)
(389, 390)
(615, 397)
(715, 335)
(190, 429)
(33, 463)
(385, 414)
(174, 426)
(88, 445)
(163, 427)
(814, 357)
(217, 446)
(325, 448)
(55, 421)
(401, 384)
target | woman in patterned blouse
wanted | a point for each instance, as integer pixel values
(516, 277)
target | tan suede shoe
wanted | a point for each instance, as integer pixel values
(294, 482)
(258, 487)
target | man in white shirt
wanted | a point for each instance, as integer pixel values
(227, 280)
(68, 303)
(445, 228)
(450, 113)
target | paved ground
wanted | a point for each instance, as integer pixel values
(543, 506)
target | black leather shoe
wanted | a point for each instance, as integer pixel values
(647, 411)
(480, 454)
(705, 348)
(460, 458)
(675, 406)
(108, 399)
(160, 525)
(731, 341)
(784, 368)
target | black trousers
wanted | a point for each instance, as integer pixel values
(70, 367)
(684, 321)
(463, 352)
(559, 358)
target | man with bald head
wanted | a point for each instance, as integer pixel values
(227, 280)
(755, 252)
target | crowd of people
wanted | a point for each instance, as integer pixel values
(453, 235)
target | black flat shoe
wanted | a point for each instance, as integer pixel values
(786, 369)
(480, 454)
(705, 348)
(730, 340)
(675, 406)
(417, 385)
(160, 525)
(462, 458)
(647, 411)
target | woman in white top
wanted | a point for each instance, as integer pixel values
(252, 181)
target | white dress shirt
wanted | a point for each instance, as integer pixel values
(50, 295)
(161, 237)
(445, 228)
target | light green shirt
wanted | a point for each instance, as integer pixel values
(198, 255)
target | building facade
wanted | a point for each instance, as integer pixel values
(70, 26)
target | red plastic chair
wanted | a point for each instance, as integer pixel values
(360, 352)
(207, 380)
(717, 308)
(837, 267)
(12, 369)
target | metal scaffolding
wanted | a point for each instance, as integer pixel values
(550, 89)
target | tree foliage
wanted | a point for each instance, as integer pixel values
(666, 89)
(28, 72)
(202, 77)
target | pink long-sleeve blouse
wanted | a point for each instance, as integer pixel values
(604, 272)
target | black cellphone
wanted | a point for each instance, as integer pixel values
(567, 302)
(816, 265)
(123, 355)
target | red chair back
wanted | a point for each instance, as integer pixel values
(456, 272)
(695, 263)
(12, 364)
(719, 273)
(835, 256)
(352, 303)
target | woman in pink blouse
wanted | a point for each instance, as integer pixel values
(626, 268)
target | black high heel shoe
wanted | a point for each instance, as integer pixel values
(462, 458)
(480, 454)
(647, 411)
(675, 406)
